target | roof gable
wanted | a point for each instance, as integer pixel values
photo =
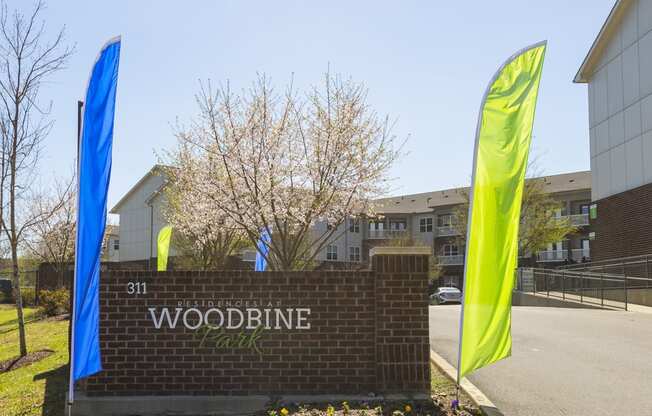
(156, 170)
(598, 48)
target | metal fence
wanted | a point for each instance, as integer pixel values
(637, 266)
(602, 288)
(28, 285)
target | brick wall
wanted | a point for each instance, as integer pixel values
(623, 226)
(368, 333)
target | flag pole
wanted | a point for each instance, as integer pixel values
(71, 336)
(472, 189)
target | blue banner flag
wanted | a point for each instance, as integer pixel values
(93, 175)
(263, 250)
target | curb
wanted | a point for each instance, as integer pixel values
(478, 398)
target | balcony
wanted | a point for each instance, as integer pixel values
(249, 255)
(447, 231)
(456, 260)
(578, 220)
(578, 254)
(386, 234)
(552, 255)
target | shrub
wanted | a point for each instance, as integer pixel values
(29, 296)
(54, 302)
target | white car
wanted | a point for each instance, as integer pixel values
(446, 295)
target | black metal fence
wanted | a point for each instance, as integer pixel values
(635, 266)
(603, 288)
(28, 286)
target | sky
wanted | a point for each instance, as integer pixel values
(426, 64)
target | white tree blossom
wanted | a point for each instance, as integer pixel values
(282, 162)
(203, 236)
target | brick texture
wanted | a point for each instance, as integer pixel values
(368, 333)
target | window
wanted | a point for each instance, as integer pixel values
(425, 225)
(354, 254)
(449, 250)
(398, 225)
(584, 209)
(445, 220)
(116, 244)
(354, 225)
(331, 252)
(377, 225)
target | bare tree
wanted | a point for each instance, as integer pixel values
(27, 61)
(52, 240)
(284, 162)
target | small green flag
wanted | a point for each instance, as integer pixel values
(502, 145)
(163, 248)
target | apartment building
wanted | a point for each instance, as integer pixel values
(111, 244)
(141, 217)
(429, 219)
(618, 71)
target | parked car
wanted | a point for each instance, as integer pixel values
(446, 295)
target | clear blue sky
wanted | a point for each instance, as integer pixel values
(426, 63)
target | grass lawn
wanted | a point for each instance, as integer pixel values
(37, 388)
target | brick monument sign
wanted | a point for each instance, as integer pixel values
(241, 333)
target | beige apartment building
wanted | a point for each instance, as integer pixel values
(429, 218)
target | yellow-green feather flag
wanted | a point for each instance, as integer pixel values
(163, 248)
(502, 144)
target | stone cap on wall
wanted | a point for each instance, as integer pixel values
(413, 259)
(401, 251)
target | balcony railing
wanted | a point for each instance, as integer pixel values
(447, 230)
(581, 253)
(249, 255)
(552, 255)
(578, 220)
(383, 234)
(456, 260)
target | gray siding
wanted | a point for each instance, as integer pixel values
(620, 106)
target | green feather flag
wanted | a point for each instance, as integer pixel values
(502, 145)
(163, 248)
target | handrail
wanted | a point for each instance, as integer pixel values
(564, 282)
(615, 262)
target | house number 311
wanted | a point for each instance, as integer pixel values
(137, 288)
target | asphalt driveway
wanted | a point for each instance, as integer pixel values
(568, 362)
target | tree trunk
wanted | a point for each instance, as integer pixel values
(62, 277)
(13, 235)
(19, 301)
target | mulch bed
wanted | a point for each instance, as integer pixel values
(17, 362)
(434, 407)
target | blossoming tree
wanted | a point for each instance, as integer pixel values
(281, 162)
(203, 236)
